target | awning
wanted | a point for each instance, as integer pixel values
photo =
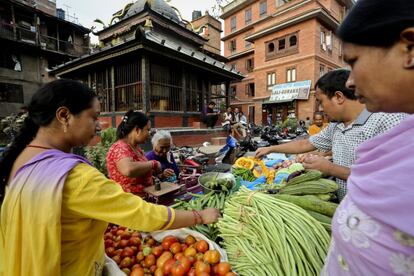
(287, 92)
(281, 101)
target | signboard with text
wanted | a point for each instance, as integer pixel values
(290, 91)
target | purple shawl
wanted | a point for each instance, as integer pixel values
(31, 215)
(381, 183)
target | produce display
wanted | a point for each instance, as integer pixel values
(257, 172)
(264, 235)
(137, 255)
(222, 186)
(313, 193)
(276, 221)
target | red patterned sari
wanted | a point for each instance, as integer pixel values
(119, 151)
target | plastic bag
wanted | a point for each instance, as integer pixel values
(111, 268)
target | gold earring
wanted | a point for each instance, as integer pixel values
(65, 129)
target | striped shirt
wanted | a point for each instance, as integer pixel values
(343, 140)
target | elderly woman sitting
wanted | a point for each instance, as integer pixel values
(161, 144)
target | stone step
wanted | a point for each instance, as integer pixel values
(198, 125)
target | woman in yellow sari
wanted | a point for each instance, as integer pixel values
(55, 205)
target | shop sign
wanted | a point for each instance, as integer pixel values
(290, 91)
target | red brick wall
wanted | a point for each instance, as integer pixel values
(307, 61)
(195, 139)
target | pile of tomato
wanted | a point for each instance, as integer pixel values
(138, 256)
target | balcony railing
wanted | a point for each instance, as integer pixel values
(13, 32)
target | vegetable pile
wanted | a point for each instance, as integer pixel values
(141, 256)
(311, 192)
(222, 186)
(267, 236)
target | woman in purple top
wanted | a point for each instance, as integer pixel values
(373, 228)
(161, 144)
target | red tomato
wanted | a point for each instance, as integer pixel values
(158, 272)
(168, 266)
(135, 266)
(165, 256)
(191, 272)
(117, 259)
(191, 251)
(123, 243)
(214, 269)
(136, 234)
(135, 249)
(212, 257)
(178, 255)
(118, 252)
(110, 251)
(137, 271)
(183, 247)
(201, 246)
(168, 241)
(175, 248)
(149, 261)
(126, 262)
(133, 260)
(181, 267)
(153, 268)
(127, 252)
(201, 267)
(199, 256)
(125, 235)
(189, 240)
(114, 230)
(108, 236)
(223, 268)
(157, 250)
(134, 241)
(140, 256)
(151, 242)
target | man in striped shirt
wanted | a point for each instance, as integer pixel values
(353, 125)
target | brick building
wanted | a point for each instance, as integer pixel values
(32, 40)
(282, 47)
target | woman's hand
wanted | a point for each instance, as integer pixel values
(168, 173)
(156, 166)
(210, 215)
(261, 152)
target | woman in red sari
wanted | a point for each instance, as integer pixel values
(126, 161)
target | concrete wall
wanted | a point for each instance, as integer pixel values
(29, 78)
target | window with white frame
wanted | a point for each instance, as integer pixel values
(321, 70)
(291, 74)
(326, 40)
(271, 79)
